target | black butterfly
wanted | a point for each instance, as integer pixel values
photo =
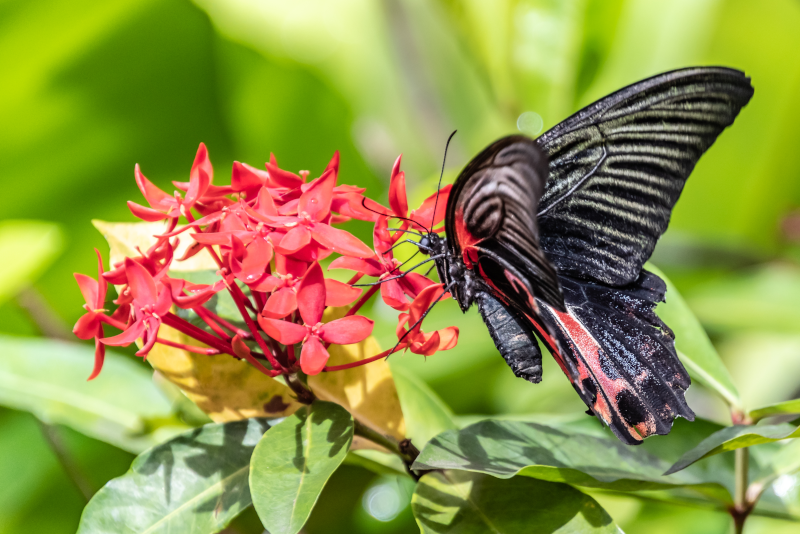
(549, 237)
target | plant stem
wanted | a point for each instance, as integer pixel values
(404, 449)
(363, 300)
(741, 508)
(64, 458)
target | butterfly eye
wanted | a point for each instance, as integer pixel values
(424, 243)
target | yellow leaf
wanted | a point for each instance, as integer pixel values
(368, 391)
(124, 238)
(225, 388)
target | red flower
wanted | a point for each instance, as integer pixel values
(164, 206)
(423, 216)
(148, 306)
(385, 267)
(311, 302)
(311, 222)
(416, 340)
(90, 325)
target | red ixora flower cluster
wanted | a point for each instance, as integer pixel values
(267, 231)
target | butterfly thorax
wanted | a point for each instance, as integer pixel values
(463, 285)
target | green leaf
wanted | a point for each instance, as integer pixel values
(507, 448)
(732, 438)
(426, 415)
(780, 408)
(33, 245)
(292, 463)
(694, 348)
(457, 502)
(196, 482)
(121, 406)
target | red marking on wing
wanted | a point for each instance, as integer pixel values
(466, 240)
(589, 366)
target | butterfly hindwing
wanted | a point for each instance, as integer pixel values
(618, 166)
(628, 372)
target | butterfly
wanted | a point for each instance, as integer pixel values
(549, 238)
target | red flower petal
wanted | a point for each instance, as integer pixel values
(426, 344)
(247, 179)
(265, 204)
(155, 197)
(103, 285)
(145, 214)
(294, 240)
(339, 294)
(393, 295)
(340, 241)
(397, 190)
(425, 212)
(99, 357)
(333, 164)
(369, 267)
(89, 289)
(311, 295)
(127, 337)
(286, 265)
(141, 283)
(86, 327)
(346, 330)
(281, 178)
(316, 201)
(424, 300)
(414, 283)
(201, 176)
(313, 356)
(448, 337)
(350, 205)
(280, 304)
(251, 266)
(283, 331)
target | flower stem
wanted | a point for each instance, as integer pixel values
(206, 351)
(203, 314)
(384, 354)
(226, 324)
(363, 300)
(181, 325)
(404, 449)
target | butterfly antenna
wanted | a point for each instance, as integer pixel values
(441, 174)
(364, 205)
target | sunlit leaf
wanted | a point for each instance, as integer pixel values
(122, 406)
(762, 299)
(693, 346)
(124, 239)
(225, 388)
(732, 438)
(196, 482)
(780, 408)
(294, 460)
(458, 502)
(367, 391)
(426, 415)
(32, 245)
(507, 448)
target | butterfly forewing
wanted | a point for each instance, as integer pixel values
(491, 223)
(618, 166)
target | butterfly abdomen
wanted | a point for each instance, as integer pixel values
(513, 337)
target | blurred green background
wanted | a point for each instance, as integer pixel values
(90, 88)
